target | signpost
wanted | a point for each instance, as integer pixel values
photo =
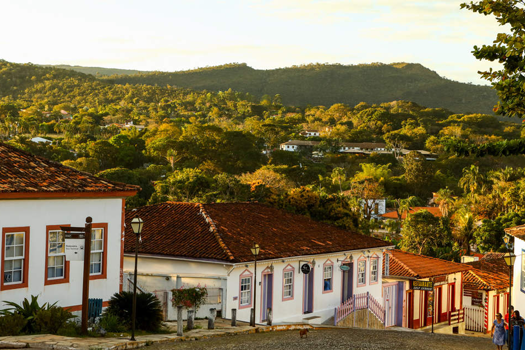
(73, 236)
(427, 286)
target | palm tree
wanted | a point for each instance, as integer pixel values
(472, 180)
(338, 176)
(464, 228)
(445, 201)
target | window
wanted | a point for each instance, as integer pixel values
(14, 257)
(97, 251)
(327, 276)
(373, 270)
(246, 290)
(376, 208)
(56, 255)
(288, 284)
(361, 274)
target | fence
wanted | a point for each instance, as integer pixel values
(475, 319)
(359, 302)
(456, 316)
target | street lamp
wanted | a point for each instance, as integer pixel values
(136, 225)
(255, 251)
(509, 260)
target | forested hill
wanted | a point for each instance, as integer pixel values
(319, 84)
(97, 70)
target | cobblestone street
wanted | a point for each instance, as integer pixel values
(336, 339)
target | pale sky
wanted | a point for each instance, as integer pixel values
(169, 35)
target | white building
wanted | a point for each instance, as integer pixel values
(188, 244)
(37, 196)
(518, 283)
(41, 140)
(310, 133)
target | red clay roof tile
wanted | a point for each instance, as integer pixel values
(433, 210)
(406, 264)
(21, 172)
(227, 231)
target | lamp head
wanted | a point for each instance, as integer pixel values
(136, 225)
(255, 249)
(506, 239)
(509, 259)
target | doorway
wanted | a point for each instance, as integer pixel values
(410, 309)
(308, 292)
(390, 305)
(267, 295)
(348, 282)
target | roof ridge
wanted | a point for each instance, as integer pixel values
(431, 257)
(215, 231)
(473, 272)
(402, 263)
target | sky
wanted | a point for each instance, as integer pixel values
(170, 35)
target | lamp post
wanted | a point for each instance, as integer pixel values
(509, 260)
(136, 225)
(255, 251)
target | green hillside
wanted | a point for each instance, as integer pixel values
(318, 84)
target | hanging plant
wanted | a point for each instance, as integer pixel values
(188, 298)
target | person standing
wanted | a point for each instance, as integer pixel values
(498, 332)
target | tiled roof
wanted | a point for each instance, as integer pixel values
(301, 143)
(24, 173)
(227, 231)
(433, 210)
(404, 264)
(516, 231)
(490, 272)
(365, 145)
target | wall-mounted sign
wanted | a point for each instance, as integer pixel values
(305, 268)
(439, 280)
(75, 249)
(345, 267)
(423, 285)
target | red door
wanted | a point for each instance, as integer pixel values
(439, 304)
(410, 309)
(428, 308)
(452, 296)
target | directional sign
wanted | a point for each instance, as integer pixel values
(423, 285)
(75, 249)
(305, 268)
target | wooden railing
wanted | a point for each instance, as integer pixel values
(457, 316)
(359, 302)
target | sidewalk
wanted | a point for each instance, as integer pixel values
(222, 328)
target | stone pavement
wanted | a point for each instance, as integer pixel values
(222, 328)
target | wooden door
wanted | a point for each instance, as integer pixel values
(410, 309)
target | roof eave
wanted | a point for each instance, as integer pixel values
(49, 195)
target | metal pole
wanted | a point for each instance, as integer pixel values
(255, 293)
(85, 282)
(134, 311)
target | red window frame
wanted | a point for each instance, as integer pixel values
(65, 279)
(25, 271)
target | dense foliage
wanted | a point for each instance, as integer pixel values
(200, 146)
(325, 84)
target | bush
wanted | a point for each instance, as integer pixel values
(52, 319)
(149, 311)
(189, 297)
(12, 324)
(111, 323)
(70, 329)
(27, 310)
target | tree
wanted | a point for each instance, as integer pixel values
(338, 176)
(464, 228)
(445, 200)
(507, 49)
(422, 233)
(418, 173)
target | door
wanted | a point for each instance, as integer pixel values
(390, 305)
(410, 309)
(495, 306)
(429, 299)
(400, 303)
(267, 295)
(452, 296)
(308, 292)
(348, 282)
(438, 306)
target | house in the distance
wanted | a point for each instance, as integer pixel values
(310, 133)
(37, 196)
(305, 269)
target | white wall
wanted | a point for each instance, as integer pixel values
(37, 214)
(292, 310)
(518, 294)
(159, 274)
